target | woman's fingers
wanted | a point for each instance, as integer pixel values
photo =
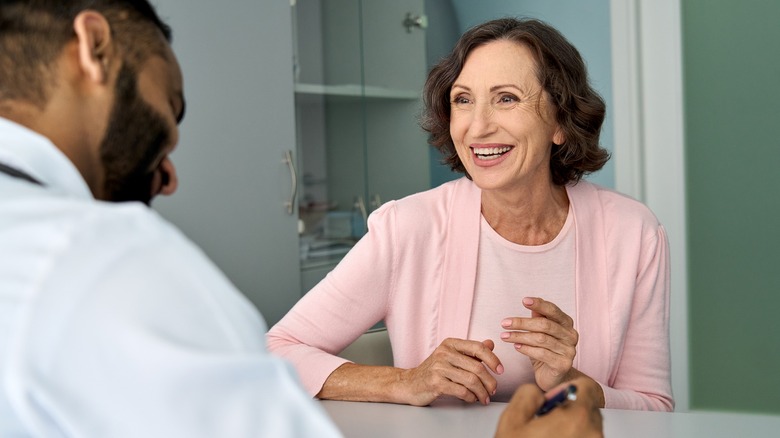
(468, 386)
(546, 318)
(481, 351)
(548, 310)
(458, 368)
(537, 331)
(473, 358)
(548, 338)
(541, 340)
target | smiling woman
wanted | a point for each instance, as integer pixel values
(518, 273)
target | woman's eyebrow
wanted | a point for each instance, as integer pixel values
(461, 86)
(498, 87)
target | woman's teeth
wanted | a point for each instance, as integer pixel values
(491, 153)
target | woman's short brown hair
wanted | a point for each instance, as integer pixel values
(579, 110)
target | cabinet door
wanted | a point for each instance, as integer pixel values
(376, 150)
(393, 57)
(359, 76)
(397, 160)
(236, 61)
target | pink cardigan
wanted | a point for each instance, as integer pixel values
(416, 269)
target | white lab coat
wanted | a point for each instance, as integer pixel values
(113, 324)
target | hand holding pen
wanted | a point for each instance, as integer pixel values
(568, 393)
(533, 413)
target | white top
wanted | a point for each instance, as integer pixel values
(113, 324)
(508, 272)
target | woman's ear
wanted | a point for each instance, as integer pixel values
(95, 48)
(559, 137)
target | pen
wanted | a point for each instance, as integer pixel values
(568, 393)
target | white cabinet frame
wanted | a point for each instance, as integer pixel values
(649, 150)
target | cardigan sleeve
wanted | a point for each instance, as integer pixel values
(347, 302)
(642, 378)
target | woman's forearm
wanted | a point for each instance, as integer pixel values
(353, 382)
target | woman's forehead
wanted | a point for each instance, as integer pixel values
(500, 61)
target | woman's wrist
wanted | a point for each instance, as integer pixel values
(354, 382)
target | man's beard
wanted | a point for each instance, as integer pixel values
(135, 137)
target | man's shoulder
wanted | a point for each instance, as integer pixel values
(132, 226)
(121, 250)
(105, 221)
(63, 225)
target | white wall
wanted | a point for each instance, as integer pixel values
(647, 68)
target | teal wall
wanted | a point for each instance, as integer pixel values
(442, 34)
(731, 61)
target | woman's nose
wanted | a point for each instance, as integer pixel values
(482, 122)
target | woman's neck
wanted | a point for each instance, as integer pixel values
(532, 216)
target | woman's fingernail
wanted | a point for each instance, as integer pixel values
(499, 370)
(505, 335)
(528, 301)
(506, 323)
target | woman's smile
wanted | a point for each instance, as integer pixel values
(490, 154)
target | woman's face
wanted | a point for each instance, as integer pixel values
(502, 130)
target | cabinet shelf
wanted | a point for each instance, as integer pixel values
(355, 91)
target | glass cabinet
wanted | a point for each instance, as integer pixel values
(359, 69)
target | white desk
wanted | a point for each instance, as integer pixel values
(453, 419)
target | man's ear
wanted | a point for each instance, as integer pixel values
(95, 48)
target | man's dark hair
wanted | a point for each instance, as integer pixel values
(34, 32)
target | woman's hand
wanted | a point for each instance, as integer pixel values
(456, 368)
(579, 418)
(548, 338)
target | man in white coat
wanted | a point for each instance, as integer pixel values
(112, 323)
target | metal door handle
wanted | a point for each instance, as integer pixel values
(288, 158)
(412, 20)
(376, 201)
(361, 207)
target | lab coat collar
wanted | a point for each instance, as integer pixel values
(36, 155)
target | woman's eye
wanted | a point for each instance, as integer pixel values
(507, 99)
(460, 100)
